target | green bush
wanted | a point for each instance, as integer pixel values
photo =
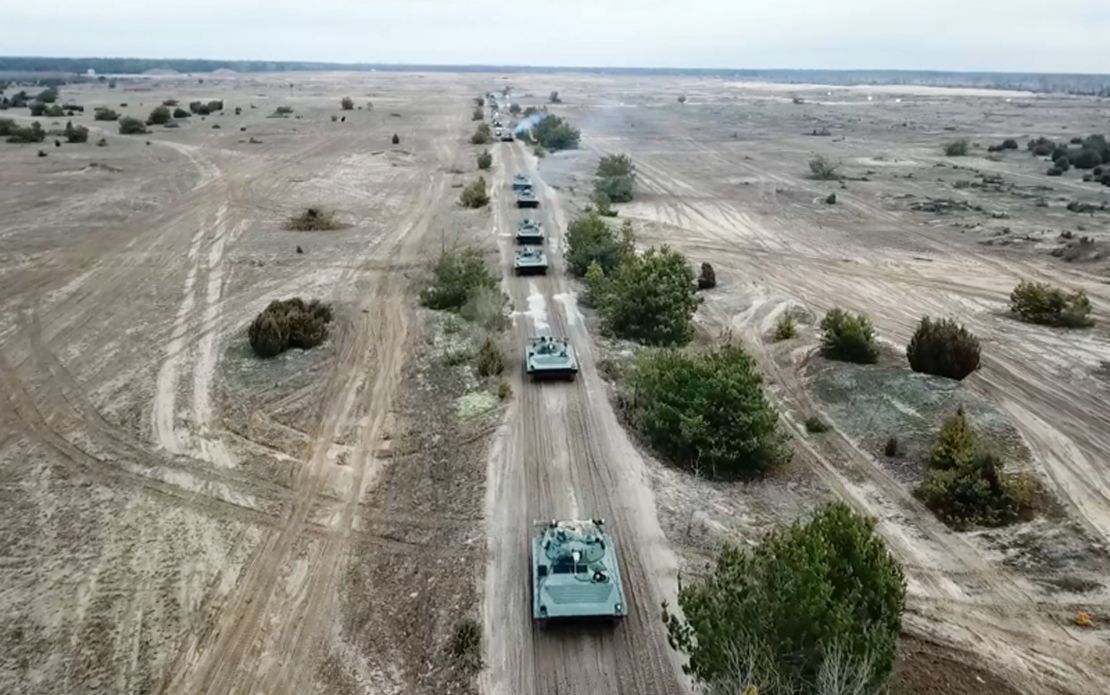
(615, 177)
(1039, 302)
(485, 160)
(591, 240)
(965, 485)
(180, 113)
(76, 134)
(891, 447)
(1009, 144)
(47, 96)
(26, 134)
(943, 348)
(201, 109)
(159, 116)
(554, 133)
(705, 411)
(477, 115)
(38, 109)
(169, 102)
(131, 126)
(650, 298)
(553, 98)
(1063, 163)
(848, 337)
(313, 220)
(347, 104)
(785, 327)
(707, 278)
(490, 362)
(466, 644)
(956, 148)
(818, 590)
(104, 114)
(682, 98)
(603, 204)
(475, 195)
(7, 126)
(289, 323)
(815, 425)
(514, 109)
(1085, 158)
(215, 105)
(823, 169)
(458, 275)
(55, 111)
(482, 135)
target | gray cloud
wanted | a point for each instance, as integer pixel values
(1020, 35)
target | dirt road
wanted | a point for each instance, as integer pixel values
(562, 454)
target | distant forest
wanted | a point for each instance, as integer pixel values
(1037, 82)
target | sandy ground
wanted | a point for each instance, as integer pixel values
(182, 518)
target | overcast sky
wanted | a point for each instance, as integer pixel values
(1017, 35)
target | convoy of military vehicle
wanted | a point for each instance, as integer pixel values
(575, 573)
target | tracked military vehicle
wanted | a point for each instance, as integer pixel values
(575, 575)
(550, 358)
(507, 135)
(520, 182)
(526, 198)
(530, 261)
(529, 231)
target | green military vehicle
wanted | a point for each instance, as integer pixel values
(526, 198)
(530, 261)
(575, 575)
(529, 231)
(521, 182)
(550, 358)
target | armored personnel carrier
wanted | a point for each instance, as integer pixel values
(507, 135)
(575, 574)
(529, 261)
(529, 232)
(550, 358)
(526, 198)
(520, 182)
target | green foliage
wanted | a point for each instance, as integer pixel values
(485, 160)
(490, 362)
(1086, 158)
(785, 327)
(289, 323)
(615, 177)
(458, 274)
(482, 135)
(603, 204)
(650, 298)
(707, 277)
(181, 113)
(466, 644)
(55, 111)
(479, 101)
(705, 411)
(47, 96)
(514, 109)
(504, 390)
(682, 98)
(131, 126)
(848, 337)
(215, 105)
(313, 220)
(7, 126)
(809, 591)
(105, 114)
(1039, 302)
(596, 284)
(554, 133)
(25, 134)
(38, 109)
(347, 104)
(891, 447)
(590, 240)
(486, 306)
(943, 348)
(823, 169)
(477, 115)
(201, 109)
(965, 485)
(956, 148)
(475, 195)
(159, 116)
(283, 110)
(1009, 144)
(815, 425)
(76, 134)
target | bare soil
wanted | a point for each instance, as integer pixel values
(183, 517)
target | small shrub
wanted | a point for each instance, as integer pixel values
(705, 411)
(1062, 163)
(76, 134)
(102, 142)
(131, 126)
(466, 643)
(215, 105)
(591, 240)
(1054, 171)
(956, 148)
(514, 109)
(785, 327)
(290, 323)
(477, 115)
(475, 195)
(1085, 158)
(7, 126)
(396, 139)
(482, 135)
(831, 200)
(26, 134)
(313, 220)
(37, 109)
(707, 278)
(180, 113)
(490, 362)
(504, 390)
(823, 169)
(485, 160)
(603, 204)
(815, 425)
(486, 306)
(103, 114)
(615, 177)
(891, 448)
(347, 104)
(553, 98)
(457, 276)
(42, 153)
(55, 111)
(848, 337)
(650, 298)
(283, 110)
(1038, 302)
(169, 102)
(943, 348)
(682, 98)
(1009, 144)
(199, 108)
(159, 116)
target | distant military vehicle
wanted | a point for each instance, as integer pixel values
(549, 357)
(507, 135)
(575, 575)
(526, 198)
(529, 261)
(520, 182)
(496, 122)
(529, 232)
(497, 132)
